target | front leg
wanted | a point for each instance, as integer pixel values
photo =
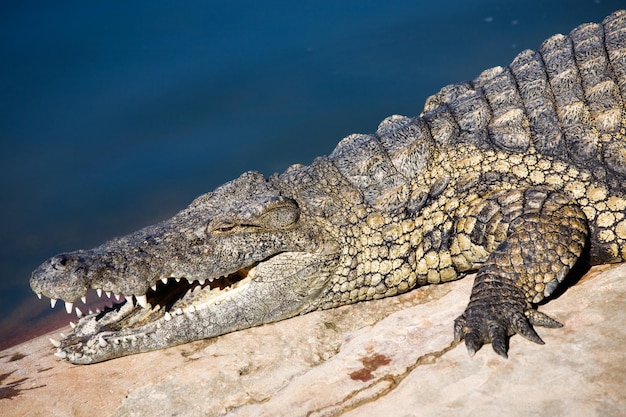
(546, 234)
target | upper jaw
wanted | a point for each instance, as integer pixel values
(65, 277)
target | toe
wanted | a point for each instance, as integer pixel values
(473, 343)
(537, 318)
(499, 339)
(521, 325)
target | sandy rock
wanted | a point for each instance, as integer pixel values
(392, 357)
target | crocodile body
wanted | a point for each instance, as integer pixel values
(516, 175)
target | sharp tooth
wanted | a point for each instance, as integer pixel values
(99, 292)
(202, 281)
(60, 354)
(72, 325)
(167, 316)
(179, 311)
(84, 299)
(90, 312)
(53, 302)
(191, 309)
(38, 295)
(79, 313)
(117, 297)
(142, 300)
(153, 287)
(177, 279)
(102, 342)
(108, 294)
(164, 280)
(68, 307)
(189, 280)
(55, 342)
(62, 335)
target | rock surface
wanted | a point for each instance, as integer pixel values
(393, 357)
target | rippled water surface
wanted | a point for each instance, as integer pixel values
(116, 115)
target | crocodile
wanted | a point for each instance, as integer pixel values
(518, 176)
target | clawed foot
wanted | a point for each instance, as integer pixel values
(495, 323)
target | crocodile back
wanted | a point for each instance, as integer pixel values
(554, 118)
(565, 100)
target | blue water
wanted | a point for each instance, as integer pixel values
(116, 115)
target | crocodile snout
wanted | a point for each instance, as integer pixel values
(61, 277)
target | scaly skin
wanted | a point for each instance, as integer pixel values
(517, 175)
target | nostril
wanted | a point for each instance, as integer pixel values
(59, 260)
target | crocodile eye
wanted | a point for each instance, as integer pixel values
(221, 226)
(225, 228)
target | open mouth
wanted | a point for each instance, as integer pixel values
(130, 316)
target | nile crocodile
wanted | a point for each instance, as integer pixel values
(517, 175)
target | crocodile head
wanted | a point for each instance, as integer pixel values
(238, 257)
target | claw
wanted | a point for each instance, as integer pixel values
(501, 350)
(472, 343)
(537, 318)
(521, 325)
(462, 331)
(529, 333)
